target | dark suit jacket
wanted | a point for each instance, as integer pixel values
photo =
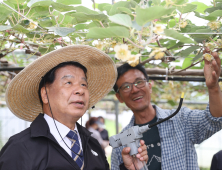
(217, 161)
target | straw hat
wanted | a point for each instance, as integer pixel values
(22, 93)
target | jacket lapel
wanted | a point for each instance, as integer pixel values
(84, 135)
(65, 155)
(40, 128)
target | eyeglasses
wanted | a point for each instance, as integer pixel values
(127, 87)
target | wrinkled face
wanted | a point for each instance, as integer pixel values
(68, 94)
(138, 99)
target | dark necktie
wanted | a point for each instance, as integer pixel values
(75, 146)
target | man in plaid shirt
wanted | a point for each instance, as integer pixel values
(170, 145)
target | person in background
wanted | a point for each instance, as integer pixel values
(92, 125)
(103, 132)
(216, 163)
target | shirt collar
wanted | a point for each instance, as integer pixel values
(63, 130)
(160, 114)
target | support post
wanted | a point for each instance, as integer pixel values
(117, 114)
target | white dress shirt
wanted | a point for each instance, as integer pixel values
(63, 130)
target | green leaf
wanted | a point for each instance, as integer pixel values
(4, 12)
(16, 1)
(176, 35)
(51, 36)
(201, 7)
(41, 11)
(210, 18)
(62, 31)
(121, 19)
(201, 37)
(156, 2)
(107, 8)
(187, 8)
(125, 10)
(186, 52)
(192, 28)
(94, 24)
(4, 27)
(186, 63)
(219, 4)
(82, 17)
(33, 34)
(133, 3)
(74, 36)
(20, 29)
(137, 1)
(178, 67)
(165, 19)
(180, 2)
(68, 2)
(212, 9)
(110, 32)
(197, 57)
(176, 45)
(203, 31)
(171, 43)
(46, 50)
(165, 65)
(173, 22)
(85, 10)
(22, 6)
(145, 15)
(34, 3)
(217, 13)
(100, 6)
(115, 8)
(111, 24)
(64, 20)
(9, 4)
(188, 28)
(81, 27)
(138, 27)
(62, 7)
(46, 22)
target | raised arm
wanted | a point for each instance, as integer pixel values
(212, 70)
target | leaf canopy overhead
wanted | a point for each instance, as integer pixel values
(144, 26)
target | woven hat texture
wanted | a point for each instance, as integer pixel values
(22, 92)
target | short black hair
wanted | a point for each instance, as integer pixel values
(126, 67)
(49, 77)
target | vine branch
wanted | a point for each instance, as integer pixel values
(187, 67)
(134, 43)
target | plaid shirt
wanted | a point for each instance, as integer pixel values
(178, 136)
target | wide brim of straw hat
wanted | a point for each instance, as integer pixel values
(22, 92)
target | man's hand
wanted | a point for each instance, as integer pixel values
(212, 70)
(142, 155)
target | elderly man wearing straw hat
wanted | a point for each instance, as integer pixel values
(62, 85)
